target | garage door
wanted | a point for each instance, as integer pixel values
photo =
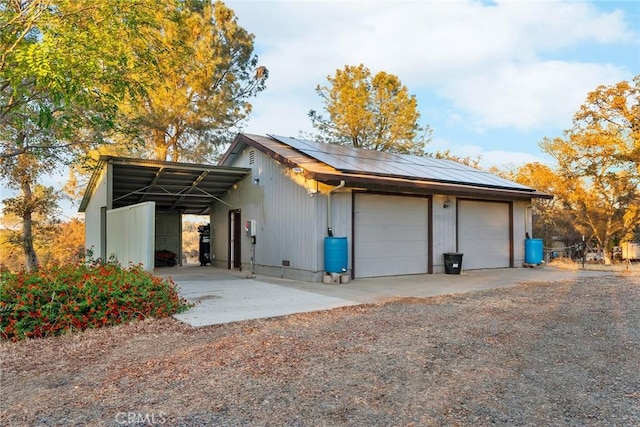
(483, 234)
(390, 235)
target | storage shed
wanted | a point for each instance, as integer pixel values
(274, 200)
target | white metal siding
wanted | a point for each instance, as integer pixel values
(286, 216)
(168, 234)
(390, 235)
(130, 234)
(92, 218)
(444, 229)
(483, 234)
(522, 222)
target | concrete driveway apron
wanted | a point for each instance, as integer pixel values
(222, 296)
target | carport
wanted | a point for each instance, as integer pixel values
(134, 207)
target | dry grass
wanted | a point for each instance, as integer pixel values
(626, 267)
(563, 353)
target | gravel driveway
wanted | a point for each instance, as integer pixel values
(561, 353)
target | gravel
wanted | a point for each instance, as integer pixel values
(563, 353)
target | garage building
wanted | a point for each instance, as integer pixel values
(273, 200)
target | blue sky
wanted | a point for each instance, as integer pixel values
(491, 78)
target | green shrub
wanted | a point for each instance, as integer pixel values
(52, 302)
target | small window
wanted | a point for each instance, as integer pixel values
(252, 157)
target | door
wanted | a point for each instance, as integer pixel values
(390, 235)
(235, 234)
(484, 234)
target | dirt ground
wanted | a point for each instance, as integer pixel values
(564, 353)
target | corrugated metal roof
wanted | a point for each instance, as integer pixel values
(185, 187)
(393, 165)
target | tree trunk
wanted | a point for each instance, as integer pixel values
(161, 147)
(30, 257)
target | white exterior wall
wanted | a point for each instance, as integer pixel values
(444, 230)
(168, 233)
(522, 224)
(93, 230)
(131, 234)
(342, 224)
(288, 220)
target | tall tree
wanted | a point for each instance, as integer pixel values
(551, 218)
(615, 111)
(373, 112)
(64, 66)
(598, 163)
(202, 86)
(36, 206)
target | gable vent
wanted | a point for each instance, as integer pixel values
(252, 157)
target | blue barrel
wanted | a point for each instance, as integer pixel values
(335, 254)
(533, 251)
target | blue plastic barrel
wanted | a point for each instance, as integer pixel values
(335, 254)
(533, 251)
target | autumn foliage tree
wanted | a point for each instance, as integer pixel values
(375, 112)
(64, 66)
(550, 217)
(202, 84)
(598, 176)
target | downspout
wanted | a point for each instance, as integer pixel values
(329, 211)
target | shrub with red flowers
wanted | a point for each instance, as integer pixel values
(51, 302)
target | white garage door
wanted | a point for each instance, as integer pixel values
(390, 235)
(483, 234)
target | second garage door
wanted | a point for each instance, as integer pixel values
(390, 235)
(484, 235)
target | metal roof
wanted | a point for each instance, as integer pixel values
(185, 187)
(361, 161)
(380, 171)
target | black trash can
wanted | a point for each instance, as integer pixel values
(452, 262)
(205, 244)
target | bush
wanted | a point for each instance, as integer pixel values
(53, 302)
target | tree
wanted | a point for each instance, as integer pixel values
(598, 163)
(64, 66)
(551, 218)
(36, 206)
(202, 85)
(66, 245)
(57, 243)
(615, 111)
(373, 112)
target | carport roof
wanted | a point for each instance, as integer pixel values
(184, 187)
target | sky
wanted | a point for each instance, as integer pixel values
(492, 78)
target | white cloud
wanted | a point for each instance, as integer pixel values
(489, 61)
(488, 158)
(280, 116)
(526, 96)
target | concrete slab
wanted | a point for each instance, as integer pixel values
(225, 296)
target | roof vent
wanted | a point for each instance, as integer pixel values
(252, 157)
